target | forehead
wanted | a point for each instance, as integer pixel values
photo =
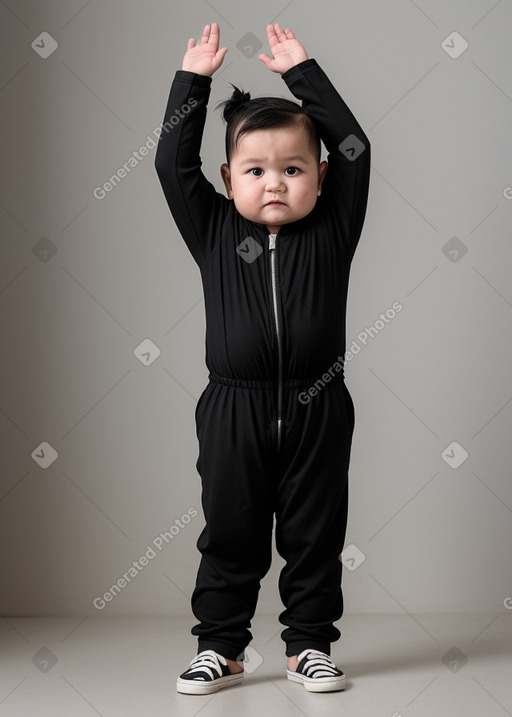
(273, 143)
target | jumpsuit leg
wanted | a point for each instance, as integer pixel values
(311, 514)
(234, 428)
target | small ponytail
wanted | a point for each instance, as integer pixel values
(230, 106)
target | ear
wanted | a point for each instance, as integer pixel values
(322, 169)
(226, 177)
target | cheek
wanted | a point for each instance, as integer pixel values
(245, 190)
(308, 192)
(245, 198)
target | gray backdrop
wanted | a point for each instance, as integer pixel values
(102, 317)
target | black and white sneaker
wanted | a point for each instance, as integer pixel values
(208, 672)
(317, 672)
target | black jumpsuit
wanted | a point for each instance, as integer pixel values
(274, 436)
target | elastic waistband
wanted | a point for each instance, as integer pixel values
(289, 383)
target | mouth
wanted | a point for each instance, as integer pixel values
(275, 202)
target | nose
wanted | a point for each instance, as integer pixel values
(275, 182)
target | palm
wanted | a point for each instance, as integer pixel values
(206, 57)
(201, 58)
(286, 49)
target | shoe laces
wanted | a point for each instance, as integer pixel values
(207, 661)
(318, 664)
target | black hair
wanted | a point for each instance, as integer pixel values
(243, 114)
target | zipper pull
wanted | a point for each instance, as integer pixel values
(272, 241)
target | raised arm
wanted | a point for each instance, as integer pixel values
(346, 184)
(194, 202)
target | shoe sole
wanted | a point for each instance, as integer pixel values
(319, 684)
(195, 687)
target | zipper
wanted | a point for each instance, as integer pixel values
(272, 252)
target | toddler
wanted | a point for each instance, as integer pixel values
(275, 422)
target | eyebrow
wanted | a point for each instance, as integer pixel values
(284, 159)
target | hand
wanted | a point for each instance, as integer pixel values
(206, 57)
(286, 49)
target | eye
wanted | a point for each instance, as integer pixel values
(256, 169)
(291, 171)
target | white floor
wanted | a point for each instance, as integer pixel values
(396, 665)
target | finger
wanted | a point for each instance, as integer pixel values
(271, 33)
(219, 55)
(214, 35)
(266, 60)
(191, 43)
(271, 36)
(289, 34)
(206, 35)
(279, 30)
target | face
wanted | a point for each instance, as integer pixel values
(274, 176)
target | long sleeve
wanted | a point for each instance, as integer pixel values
(346, 184)
(195, 204)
